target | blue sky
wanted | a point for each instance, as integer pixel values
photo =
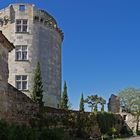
(101, 48)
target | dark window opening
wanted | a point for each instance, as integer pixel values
(22, 7)
(124, 117)
(41, 20)
(36, 18)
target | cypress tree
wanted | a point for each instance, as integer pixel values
(37, 94)
(64, 98)
(81, 106)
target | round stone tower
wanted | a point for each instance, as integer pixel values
(37, 38)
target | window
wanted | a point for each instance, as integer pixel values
(21, 7)
(21, 52)
(41, 20)
(21, 82)
(36, 18)
(21, 25)
(124, 117)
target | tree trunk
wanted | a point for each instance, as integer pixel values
(137, 126)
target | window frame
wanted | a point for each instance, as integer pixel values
(21, 51)
(22, 8)
(21, 81)
(21, 25)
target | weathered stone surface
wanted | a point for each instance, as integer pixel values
(43, 40)
(60, 116)
(5, 47)
(19, 107)
(131, 121)
(114, 104)
(15, 106)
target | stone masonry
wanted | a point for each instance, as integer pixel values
(5, 47)
(36, 30)
(114, 104)
(15, 106)
(129, 119)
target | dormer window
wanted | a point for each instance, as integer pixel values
(21, 7)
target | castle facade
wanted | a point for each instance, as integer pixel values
(36, 38)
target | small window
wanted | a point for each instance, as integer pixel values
(21, 25)
(21, 82)
(124, 117)
(41, 20)
(21, 7)
(21, 53)
(36, 18)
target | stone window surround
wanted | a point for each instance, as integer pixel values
(21, 81)
(21, 25)
(21, 51)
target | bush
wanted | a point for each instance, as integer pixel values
(106, 122)
(51, 134)
(3, 130)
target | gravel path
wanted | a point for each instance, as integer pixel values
(135, 138)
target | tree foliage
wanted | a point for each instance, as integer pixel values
(102, 102)
(81, 106)
(130, 102)
(64, 98)
(37, 94)
(93, 102)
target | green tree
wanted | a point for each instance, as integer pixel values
(64, 98)
(37, 94)
(130, 101)
(92, 102)
(81, 106)
(102, 102)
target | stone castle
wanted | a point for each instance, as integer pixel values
(36, 38)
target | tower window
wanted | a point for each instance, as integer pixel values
(21, 82)
(21, 25)
(21, 7)
(36, 18)
(21, 52)
(41, 20)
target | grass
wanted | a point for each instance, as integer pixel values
(118, 139)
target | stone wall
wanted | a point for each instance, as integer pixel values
(70, 119)
(17, 107)
(5, 47)
(3, 68)
(131, 121)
